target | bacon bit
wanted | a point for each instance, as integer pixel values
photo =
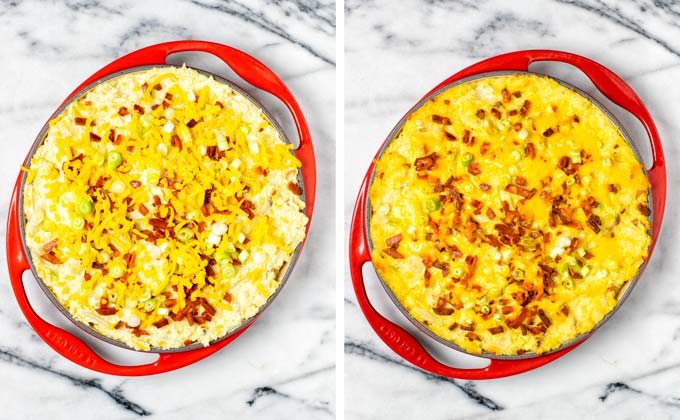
(168, 96)
(588, 255)
(248, 207)
(138, 109)
(549, 132)
(392, 252)
(162, 323)
(192, 123)
(496, 113)
(490, 213)
(122, 111)
(515, 323)
(506, 95)
(512, 113)
(119, 325)
(87, 276)
(521, 181)
(227, 297)
(138, 333)
(612, 188)
(544, 318)
(450, 136)
(261, 171)
(521, 191)
(525, 107)
(517, 94)
(142, 209)
(170, 303)
(144, 86)
(119, 139)
(496, 330)
(155, 107)
(594, 223)
(50, 245)
(105, 311)
(393, 241)
(426, 162)
(530, 150)
(157, 86)
(94, 137)
(50, 257)
(466, 136)
(576, 119)
(480, 114)
(441, 120)
(535, 329)
(175, 141)
(474, 169)
(444, 311)
(131, 258)
(644, 209)
(517, 126)
(472, 336)
(484, 187)
(467, 327)
(507, 310)
(453, 326)
(484, 147)
(135, 183)
(207, 307)
(295, 188)
(80, 120)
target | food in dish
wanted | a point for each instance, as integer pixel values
(508, 214)
(162, 208)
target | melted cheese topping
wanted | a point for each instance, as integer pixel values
(508, 214)
(162, 207)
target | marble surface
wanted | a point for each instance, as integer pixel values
(284, 366)
(395, 53)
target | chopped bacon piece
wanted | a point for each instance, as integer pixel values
(594, 223)
(106, 311)
(530, 150)
(517, 94)
(50, 257)
(480, 114)
(441, 120)
(131, 258)
(393, 240)
(248, 207)
(227, 297)
(507, 310)
(517, 126)
(426, 162)
(94, 137)
(521, 191)
(50, 245)
(490, 213)
(520, 180)
(525, 108)
(169, 303)
(207, 307)
(549, 132)
(544, 318)
(496, 330)
(175, 141)
(565, 310)
(467, 327)
(443, 310)
(392, 252)
(138, 109)
(450, 136)
(295, 188)
(612, 188)
(192, 123)
(644, 209)
(472, 336)
(123, 111)
(80, 120)
(142, 209)
(157, 86)
(484, 147)
(474, 169)
(484, 187)
(162, 323)
(135, 183)
(496, 113)
(466, 136)
(506, 95)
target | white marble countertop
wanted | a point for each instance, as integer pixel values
(395, 53)
(284, 366)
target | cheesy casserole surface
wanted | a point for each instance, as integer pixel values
(162, 207)
(508, 214)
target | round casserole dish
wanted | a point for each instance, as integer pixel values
(361, 246)
(141, 61)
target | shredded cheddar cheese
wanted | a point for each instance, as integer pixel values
(147, 196)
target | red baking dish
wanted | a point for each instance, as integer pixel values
(65, 343)
(405, 344)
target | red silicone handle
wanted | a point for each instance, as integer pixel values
(402, 342)
(70, 346)
(65, 343)
(611, 86)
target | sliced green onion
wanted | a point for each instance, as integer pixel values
(78, 223)
(220, 256)
(570, 181)
(185, 234)
(457, 272)
(561, 269)
(117, 271)
(228, 270)
(518, 274)
(484, 309)
(432, 204)
(568, 284)
(85, 206)
(467, 159)
(114, 159)
(150, 305)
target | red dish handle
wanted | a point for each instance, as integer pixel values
(249, 69)
(611, 86)
(401, 341)
(65, 343)
(70, 346)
